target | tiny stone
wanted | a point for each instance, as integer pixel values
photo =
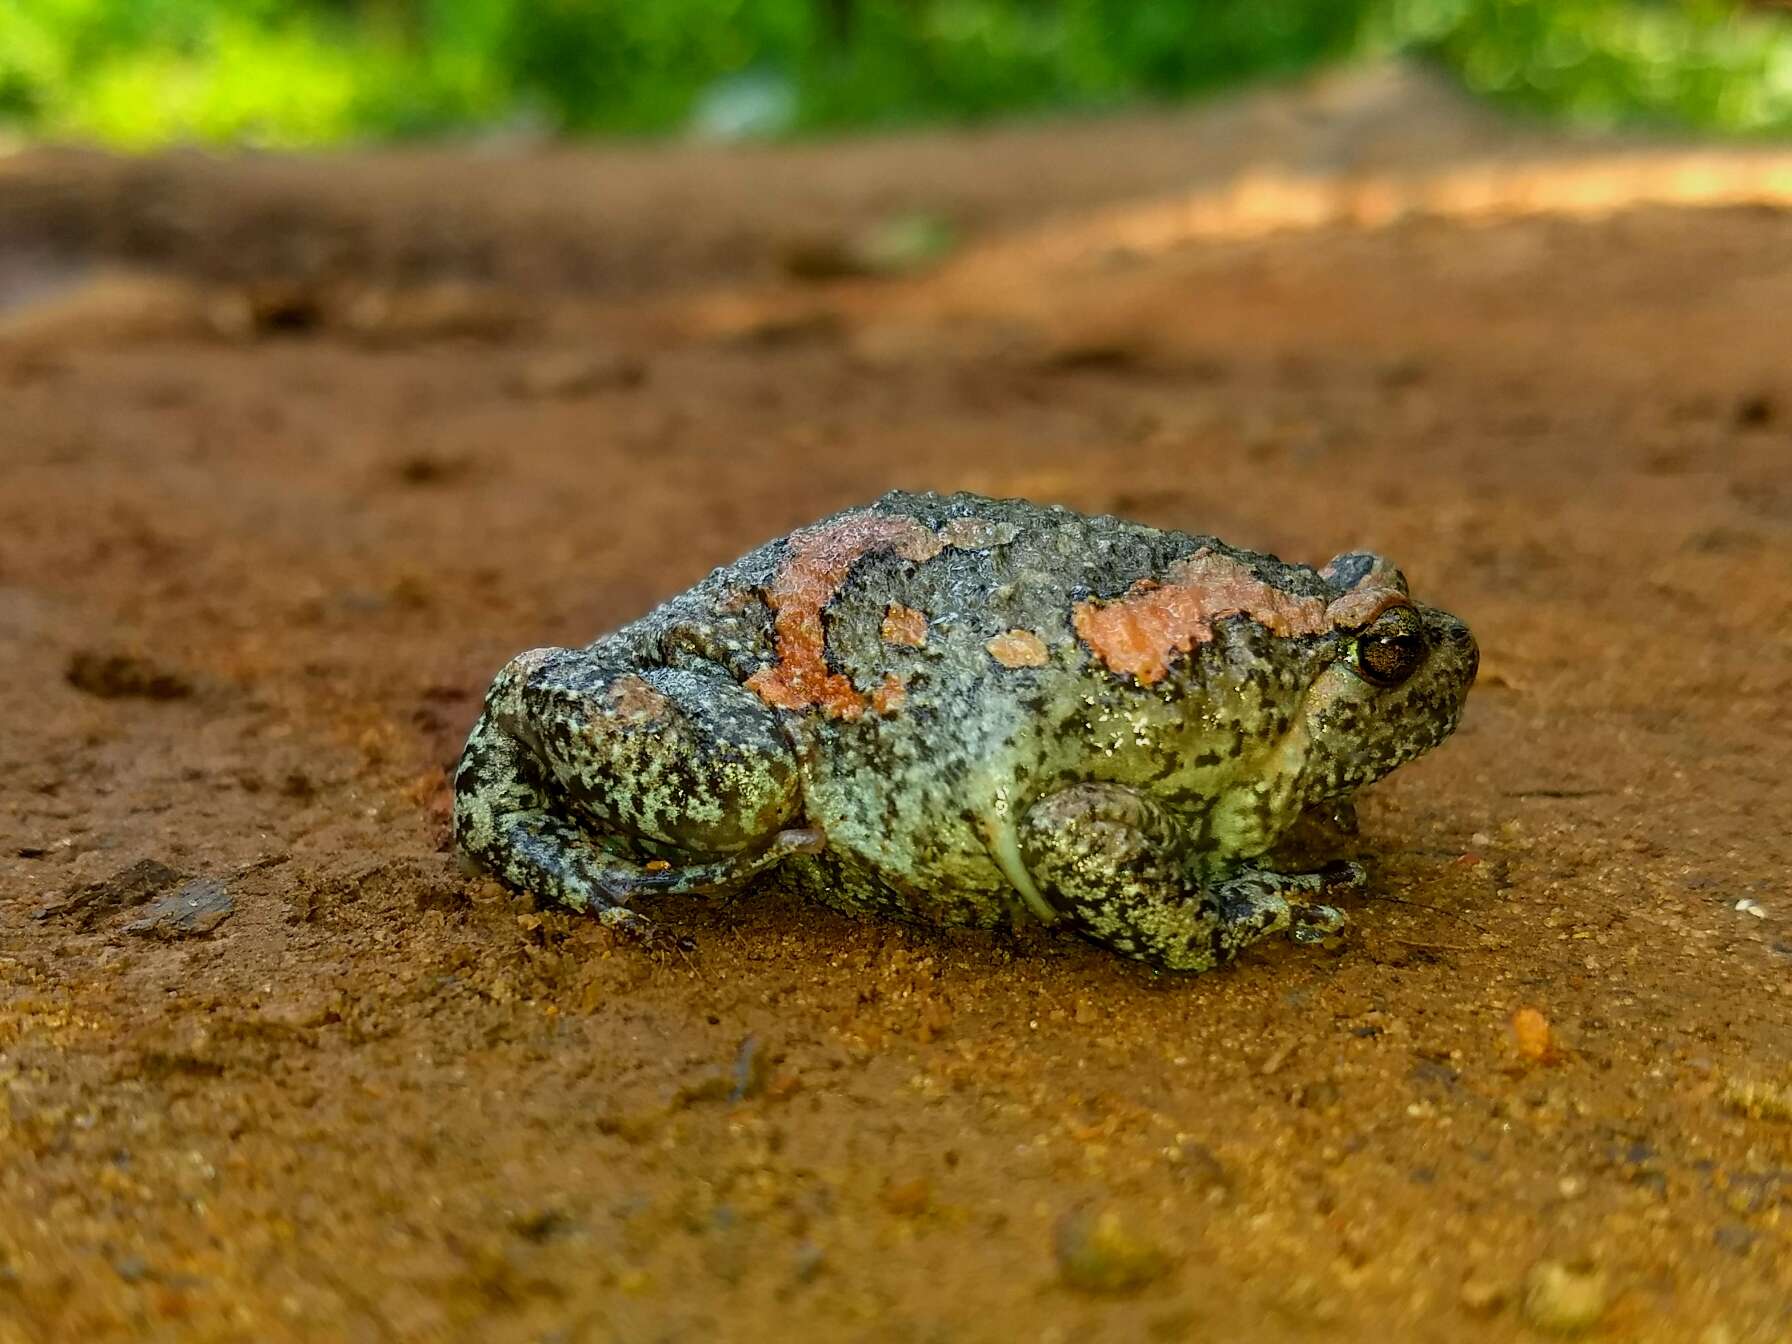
(1753, 410)
(907, 1199)
(1483, 1297)
(1099, 1253)
(809, 1262)
(1198, 1169)
(1532, 1035)
(1734, 1238)
(1563, 1301)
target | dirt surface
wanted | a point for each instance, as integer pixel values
(276, 1068)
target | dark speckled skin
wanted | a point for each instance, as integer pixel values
(990, 761)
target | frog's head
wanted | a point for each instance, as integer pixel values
(1395, 685)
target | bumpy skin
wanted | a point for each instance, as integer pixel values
(954, 709)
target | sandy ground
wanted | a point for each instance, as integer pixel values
(276, 501)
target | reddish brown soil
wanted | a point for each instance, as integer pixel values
(385, 1101)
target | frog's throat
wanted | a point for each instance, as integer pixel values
(1226, 839)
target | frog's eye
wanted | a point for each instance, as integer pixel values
(1391, 649)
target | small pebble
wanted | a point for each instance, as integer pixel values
(1099, 1253)
(907, 1199)
(1561, 1300)
(1532, 1035)
(1753, 410)
(810, 1260)
(1482, 1297)
(1734, 1238)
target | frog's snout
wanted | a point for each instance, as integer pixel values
(1455, 662)
(1460, 641)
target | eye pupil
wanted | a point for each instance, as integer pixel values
(1389, 659)
(1392, 650)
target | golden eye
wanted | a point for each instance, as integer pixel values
(1391, 649)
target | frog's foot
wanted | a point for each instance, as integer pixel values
(1258, 903)
(636, 929)
(1316, 923)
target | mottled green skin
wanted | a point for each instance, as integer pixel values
(1128, 811)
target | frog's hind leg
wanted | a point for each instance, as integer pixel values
(1107, 860)
(580, 766)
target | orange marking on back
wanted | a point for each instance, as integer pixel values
(905, 626)
(1018, 648)
(889, 697)
(818, 563)
(1138, 635)
(634, 701)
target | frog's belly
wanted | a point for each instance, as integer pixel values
(917, 857)
(845, 882)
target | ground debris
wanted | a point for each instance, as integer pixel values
(745, 1078)
(1759, 1098)
(193, 911)
(570, 374)
(128, 887)
(117, 675)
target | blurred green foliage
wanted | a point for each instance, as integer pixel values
(304, 72)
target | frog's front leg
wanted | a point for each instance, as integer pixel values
(581, 765)
(1118, 868)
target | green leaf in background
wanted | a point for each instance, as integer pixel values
(141, 73)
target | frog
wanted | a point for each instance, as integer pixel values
(964, 711)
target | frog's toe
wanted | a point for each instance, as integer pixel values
(1316, 923)
(1343, 876)
(629, 923)
(636, 928)
(801, 840)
